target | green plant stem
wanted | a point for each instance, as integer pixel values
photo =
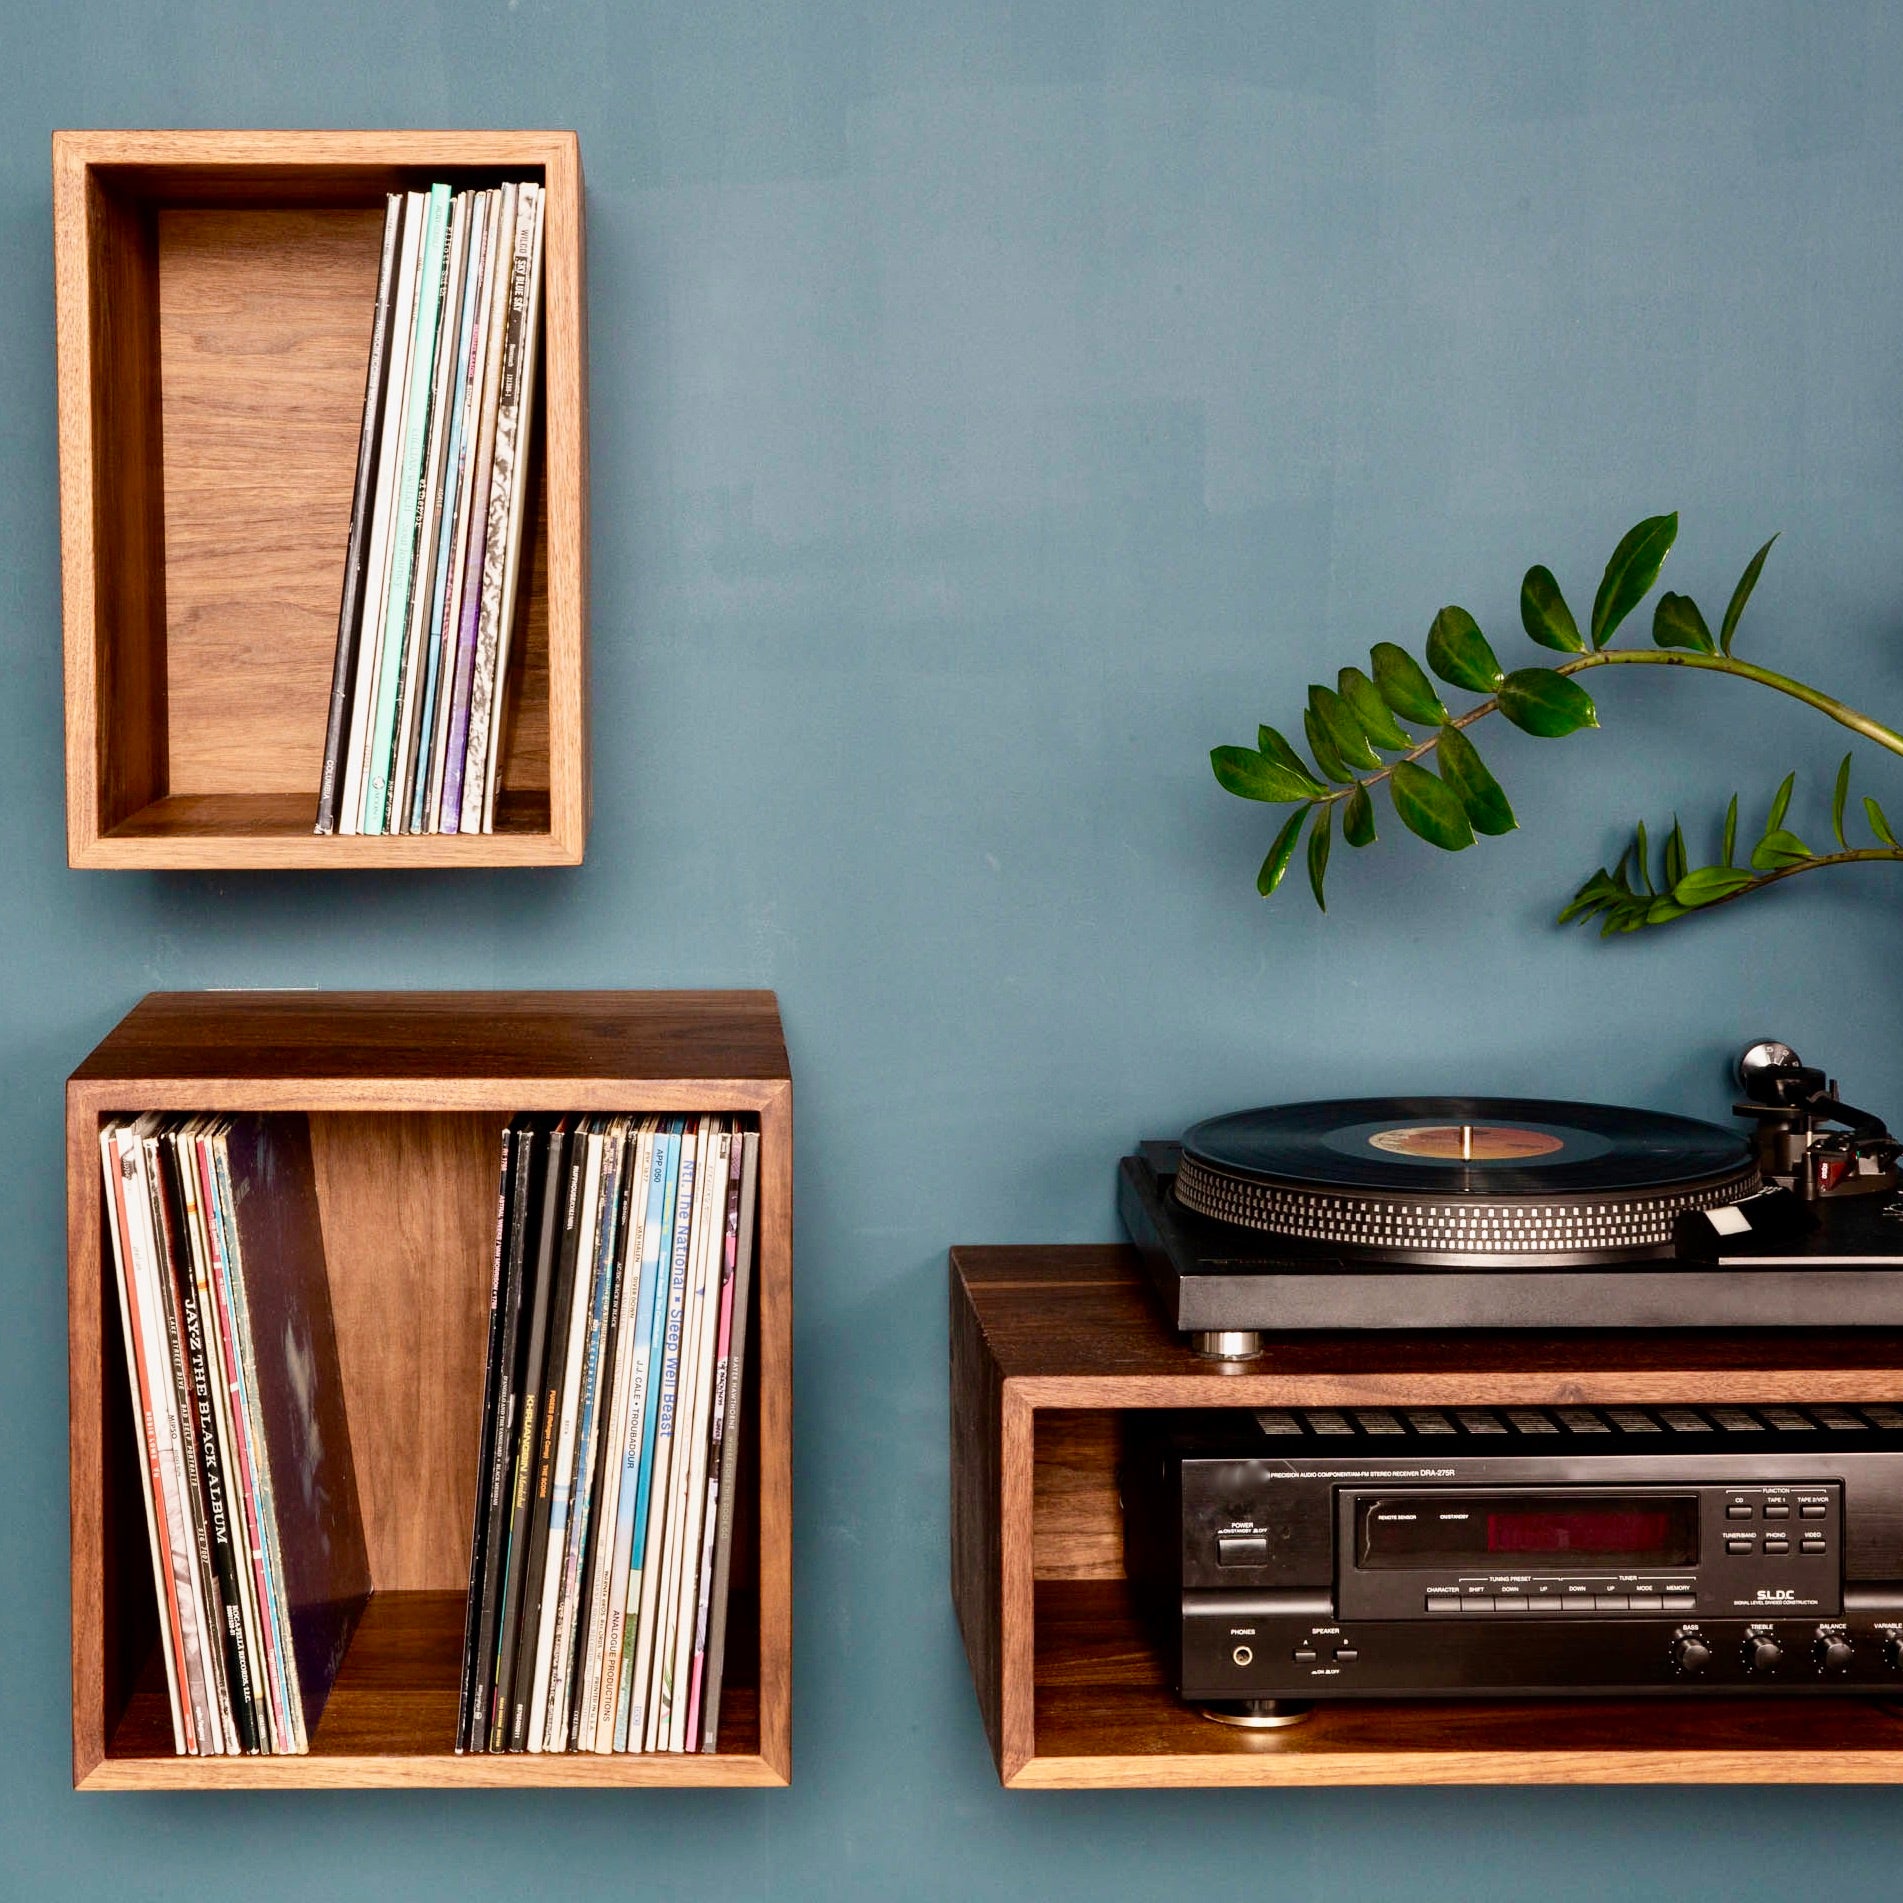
(1826, 704)
(1849, 857)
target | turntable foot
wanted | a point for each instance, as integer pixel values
(1226, 1344)
(1259, 1714)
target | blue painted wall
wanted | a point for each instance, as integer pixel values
(993, 407)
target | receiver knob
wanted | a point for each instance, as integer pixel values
(1832, 1651)
(1893, 1652)
(1762, 1653)
(1690, 1653)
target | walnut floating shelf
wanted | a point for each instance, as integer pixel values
(215, 293)
(406, 1094)
(1052, 1347)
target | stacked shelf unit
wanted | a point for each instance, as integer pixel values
(1052, 1347)
(214, 297)
(406, 1095)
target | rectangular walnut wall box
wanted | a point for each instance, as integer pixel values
(1053, 1348)
(214, 296)
(406, 1095)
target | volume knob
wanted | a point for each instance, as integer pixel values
(1690, 1653)
(1893, 1652)
(1762, 1654)
(1832, 1651)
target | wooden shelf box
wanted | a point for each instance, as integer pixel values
(214, 296)
(407, 1094)
(1051, 1348)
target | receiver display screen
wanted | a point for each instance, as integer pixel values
(1529, 1532)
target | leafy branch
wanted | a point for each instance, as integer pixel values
(1626, 898)
(1350, 726)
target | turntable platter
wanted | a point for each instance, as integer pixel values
(1453, 1181)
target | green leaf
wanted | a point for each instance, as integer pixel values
(1340, 725)
(1318, 837)
(1457, 651)
(1540, 701)
(1460, 766)
(1364, 699)
(1879, 824)
(1357, 818)
(1709, 884)
(1429, 807)
(1675, 861)
(1777, 850)
(1731, 829)
(1280, 854)
(1545, 615)
(1253, 776)
(1676, 623)
(1740, 595)
(1662, 911)
(1642, 858)
(1594, 896)
(1319, 744)
(1630, 574)
(1837, 799)
(1780, 805)
(1405, 688)
(1284, 755)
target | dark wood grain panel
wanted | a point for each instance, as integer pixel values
(1106, 1716)
(406, 1095)
(1079, 1327)
(391, 1718)
(294, 1036)
(977, 1558)
(1077, 1520)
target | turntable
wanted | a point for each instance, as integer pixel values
(1473, 1212)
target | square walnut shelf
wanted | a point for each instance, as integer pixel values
(214, 298)
(1052, 1347)
(406, 1095)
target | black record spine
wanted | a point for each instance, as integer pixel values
(357, 551)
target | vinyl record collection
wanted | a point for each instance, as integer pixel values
(433, 565)
(610, 1437)
(258, 1558)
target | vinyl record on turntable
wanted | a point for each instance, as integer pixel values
(1459, 1181)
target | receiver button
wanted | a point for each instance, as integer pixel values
(1305, 1655)
(1242, 1550)
(1738, 1546)
(1777, 1509)
(1811, 1510)
(1476, 1602)
(1737, 1513)
(1611, 1601)
(1680, 1601)
(1442, 1602)
(1811, 1543)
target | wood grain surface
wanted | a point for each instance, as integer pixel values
(406, 1094)
(214, 297)
(1052, 1346)
(391, 1720)
(499, 1042)
(1106, 1717)
(1077, 1327)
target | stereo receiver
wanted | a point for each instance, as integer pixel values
(1286, 1556)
